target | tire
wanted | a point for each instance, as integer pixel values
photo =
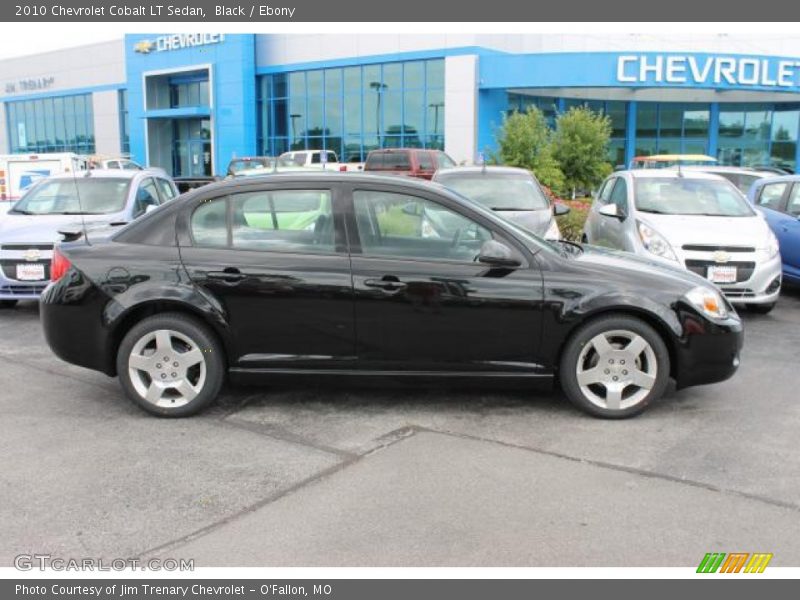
(607, 387)
(761, 309)
(8, 303)
(190, 378)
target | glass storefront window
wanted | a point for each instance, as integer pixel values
(56, 124)
(758, 134)
(351, 110)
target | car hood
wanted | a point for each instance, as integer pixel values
(626, 263)
(32, 229)
(719, 231)
(535, 221)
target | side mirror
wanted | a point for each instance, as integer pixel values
(497, 254)
(611, 210)
(150, 208)
(560, 210)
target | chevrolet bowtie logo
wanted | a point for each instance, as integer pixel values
(144, 47)
(32, 254)
(720, 256)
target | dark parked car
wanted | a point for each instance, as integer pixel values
(333, 274)
(514, 193)
(414, 162)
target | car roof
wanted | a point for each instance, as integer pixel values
(773, 178)
(106, 174)
(728, 169)
(487, 170)
(316, 177)
(670, 173)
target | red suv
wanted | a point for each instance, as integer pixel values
(415, 162)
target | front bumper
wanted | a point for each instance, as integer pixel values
(708, 352)
(758, 279)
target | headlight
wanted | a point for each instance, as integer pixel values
(553, 232)
(654, 242)
(707, 301)
(769, 247)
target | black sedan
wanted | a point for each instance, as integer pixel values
(329, 274)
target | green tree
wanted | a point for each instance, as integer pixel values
(524, 141)
(580, 146)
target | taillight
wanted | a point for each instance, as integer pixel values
(59, 265)
(342, 168)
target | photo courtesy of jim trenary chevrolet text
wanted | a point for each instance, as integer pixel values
(370, 300)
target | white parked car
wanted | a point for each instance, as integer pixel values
(311, 159)
(691, 219)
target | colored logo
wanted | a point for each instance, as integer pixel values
(144, 46)
(736, 562)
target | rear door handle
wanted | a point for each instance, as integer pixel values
(228, 275)
(389, 285)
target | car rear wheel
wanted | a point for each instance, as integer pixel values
(170, 365)
(614, 367)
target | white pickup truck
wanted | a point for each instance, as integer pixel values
(311, 159)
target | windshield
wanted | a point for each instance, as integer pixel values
(498, 193)
(688, 196)
(82, 195)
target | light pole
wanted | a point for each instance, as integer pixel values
(379, 88)
(436, 106)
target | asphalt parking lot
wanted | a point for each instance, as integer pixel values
(306, 476)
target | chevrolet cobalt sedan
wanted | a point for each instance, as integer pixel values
(328, 274)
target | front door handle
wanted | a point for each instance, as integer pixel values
(387, 284)
(228, 275)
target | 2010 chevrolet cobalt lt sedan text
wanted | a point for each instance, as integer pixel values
(334, 274)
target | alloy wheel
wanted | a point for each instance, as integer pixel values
(167, 368)
(616, 369)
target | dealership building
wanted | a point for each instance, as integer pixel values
(190, 102)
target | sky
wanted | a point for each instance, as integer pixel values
(26, 38)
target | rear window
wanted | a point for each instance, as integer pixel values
(388, 161)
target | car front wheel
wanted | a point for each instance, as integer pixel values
(170, 365)
(614, 367)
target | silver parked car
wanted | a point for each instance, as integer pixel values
(691, 219)
(96, 198)
(513, 193)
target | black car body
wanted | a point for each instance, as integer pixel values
(323, 274)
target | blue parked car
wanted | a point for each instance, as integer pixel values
(778, 198)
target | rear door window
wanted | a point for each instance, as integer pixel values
(793, 205)
(267, 220)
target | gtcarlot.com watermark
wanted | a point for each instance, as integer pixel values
(44, 562)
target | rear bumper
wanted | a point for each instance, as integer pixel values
(708, 352)
(11, 289)
(72, 328)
